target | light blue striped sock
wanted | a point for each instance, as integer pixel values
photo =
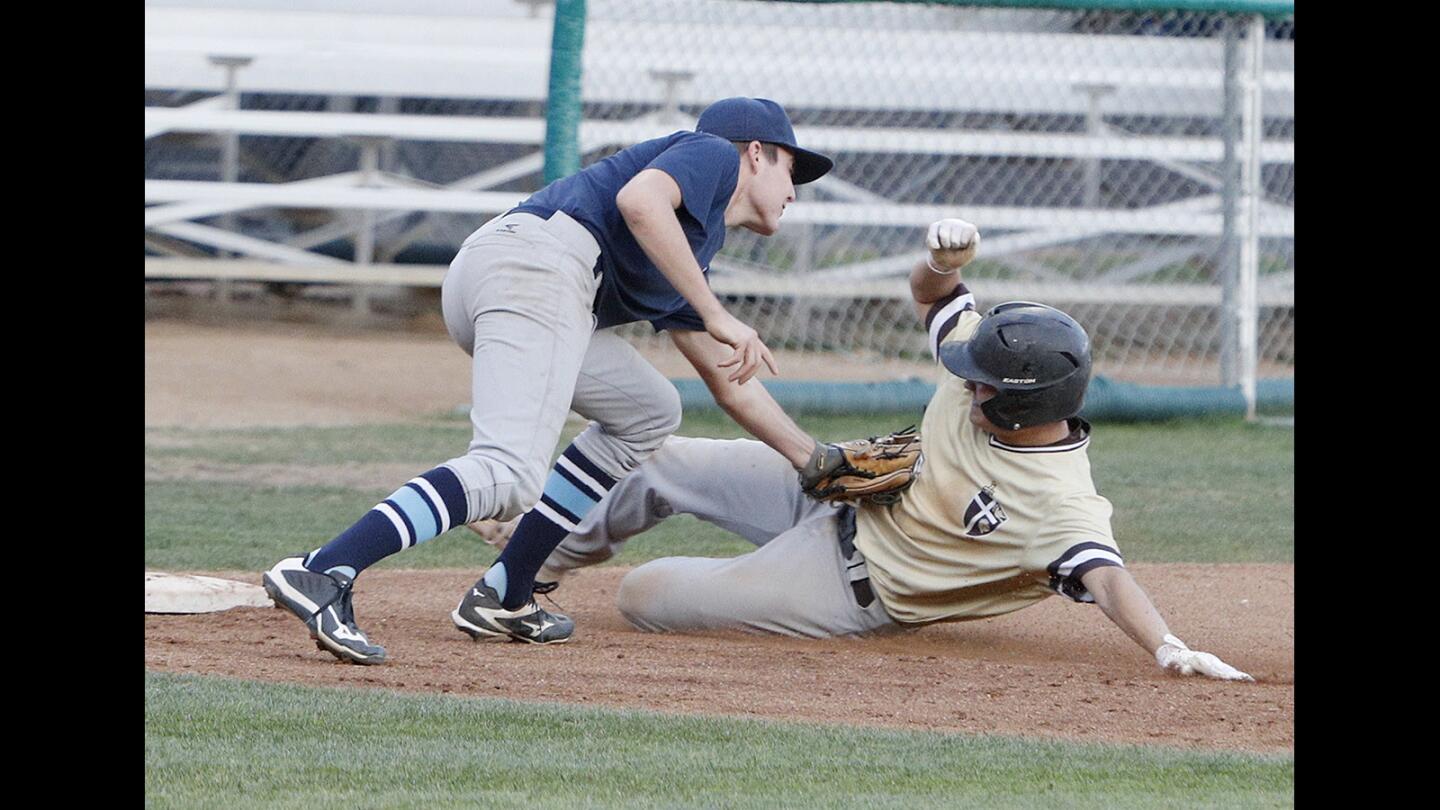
(427, 506)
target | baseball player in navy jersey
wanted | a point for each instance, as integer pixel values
(1003, 513)
(532, 296)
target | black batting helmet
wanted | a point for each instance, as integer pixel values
(1036, 356)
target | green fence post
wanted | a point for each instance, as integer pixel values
(562, 108)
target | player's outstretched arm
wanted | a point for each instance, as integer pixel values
(1120, 596)
(648, 204)
(952, 244)
(749, 404)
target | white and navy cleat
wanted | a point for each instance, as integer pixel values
(481, 616)
(322, 602)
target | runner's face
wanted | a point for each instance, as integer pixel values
(983, 394)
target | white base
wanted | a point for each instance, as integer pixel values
(177, 593)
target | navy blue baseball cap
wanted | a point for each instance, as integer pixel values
(760, 119)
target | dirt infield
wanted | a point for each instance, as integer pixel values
(281, 374)
(1054, 670)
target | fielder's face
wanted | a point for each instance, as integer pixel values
(770, 190)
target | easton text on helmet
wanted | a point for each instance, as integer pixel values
(1037, 357)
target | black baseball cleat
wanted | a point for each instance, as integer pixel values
(322, 601)
(481, 616)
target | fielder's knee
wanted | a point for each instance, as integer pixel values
(668, 421)
(620, 448)
(659, 422)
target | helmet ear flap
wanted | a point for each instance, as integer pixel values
(1014, 409)
(1000, 416)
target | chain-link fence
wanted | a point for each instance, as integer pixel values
(1101, 153)
(1089, 147)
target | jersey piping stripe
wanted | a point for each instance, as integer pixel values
(1073, 586)
(581, 476)
(1079, 571)
(1067, 562)
(437, 504)
(946, 319)
(400, 527)
(1071, 567)
(1066, 572)
(554, 516)
(1049, 448)
(941, 302)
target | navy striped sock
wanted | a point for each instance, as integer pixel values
(428, 505)
(574, 487)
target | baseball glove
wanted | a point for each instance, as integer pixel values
(873, 470)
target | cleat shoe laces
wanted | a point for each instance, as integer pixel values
(480, 616)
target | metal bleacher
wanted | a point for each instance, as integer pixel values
(198, 60)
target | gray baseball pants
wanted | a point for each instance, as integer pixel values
(519, 298)
(796, 583)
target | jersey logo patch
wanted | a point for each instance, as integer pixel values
(984, 515)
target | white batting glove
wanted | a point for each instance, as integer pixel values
(1174, 655)
(952, 244)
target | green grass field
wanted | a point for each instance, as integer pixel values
(1209, 491)
(212, 742)
(1213, 491)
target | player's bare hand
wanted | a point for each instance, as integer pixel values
(1173, 655)
(495, 532)
(750, 351)
(952, 244)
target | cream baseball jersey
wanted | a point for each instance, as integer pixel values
(988, 528)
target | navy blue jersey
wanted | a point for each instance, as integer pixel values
(706, 168)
